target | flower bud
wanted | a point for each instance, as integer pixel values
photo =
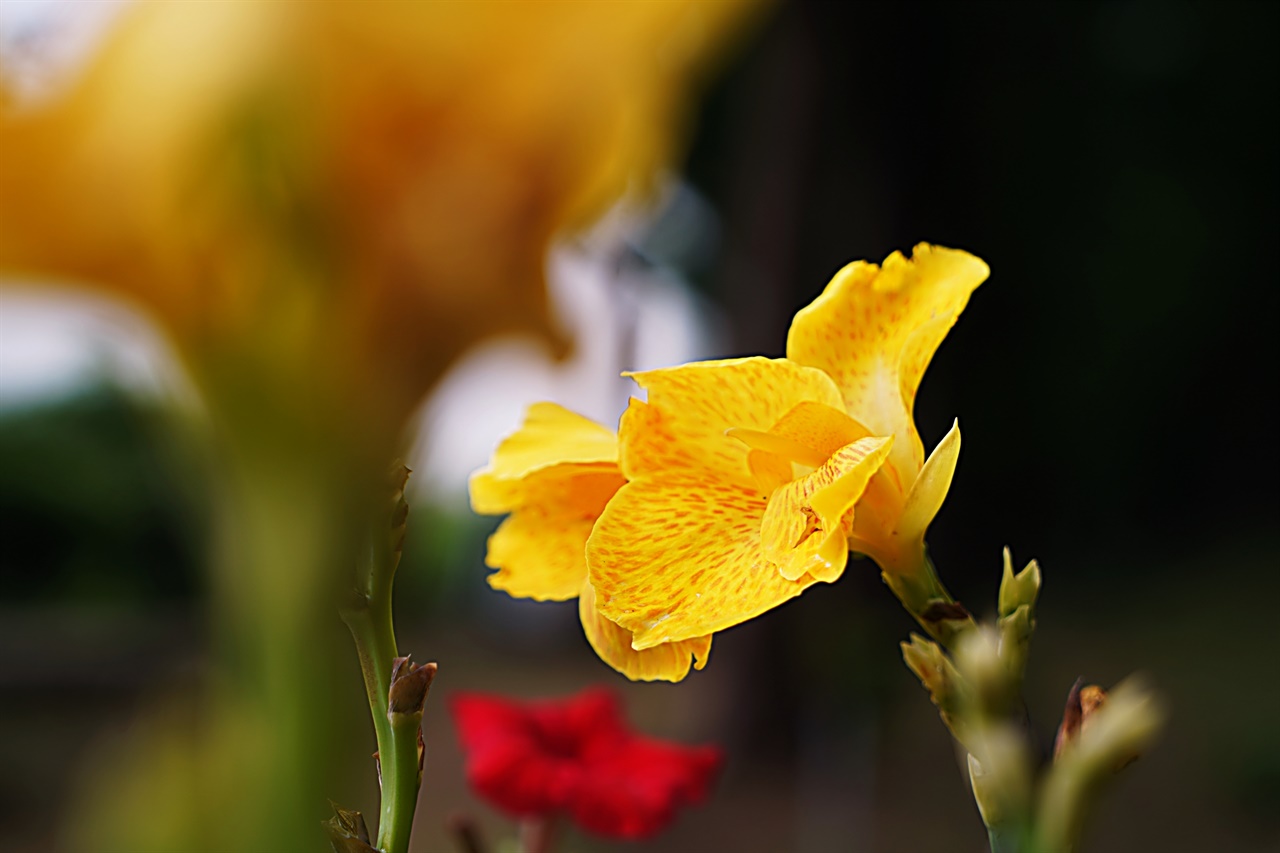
(1083, 703)
(1100, 734)
(939, 676)
(978, 660)
(1000, 772)
(347, 831)
(1020, 589)
(1015, 644)
(409, 685)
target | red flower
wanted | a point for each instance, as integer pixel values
(577, 756)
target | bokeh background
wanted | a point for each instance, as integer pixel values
(1116, 381)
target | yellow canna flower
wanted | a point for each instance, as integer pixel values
(342, 194)
(555, 475)
(739, 483)
(749, 480)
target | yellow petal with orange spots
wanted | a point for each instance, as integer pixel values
(821, 427)
(874, 330)
(931, 487)
(540, 551)
(690, 407)
(806, 436)
(550, 435)
(679, 556)
(666, 662)
(802, 530)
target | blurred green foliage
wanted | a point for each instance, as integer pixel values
(100, 501)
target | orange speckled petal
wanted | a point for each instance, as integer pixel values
(679, 556)
(931, 487)
(823, 428)
(690, 407)
(874, 330)
(802, 531)
(667, 662)
(816, 429)
(550, 435)
(769, 470)
(540, 551)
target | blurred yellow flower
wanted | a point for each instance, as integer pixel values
(555, 475)
(323, 203)
(343, 194)
(751, 479)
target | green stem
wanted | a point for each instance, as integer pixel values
(401, 778)
(368, 615)
(374, 635)
(916, 584)
(277, 542)
(1002, 840)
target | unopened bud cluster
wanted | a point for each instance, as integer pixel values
(976, 683)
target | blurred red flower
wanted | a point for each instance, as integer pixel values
(577, 756)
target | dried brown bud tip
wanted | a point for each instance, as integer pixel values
(944, 611)
(347, 832)
(1082, 703)
(409, 685)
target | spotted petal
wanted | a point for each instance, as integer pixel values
(665, 662)
(874, 330)
(679, 556)
(690, 407)
(551, 435)
(540, 551)
(802, 530)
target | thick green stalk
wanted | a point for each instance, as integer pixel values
(1003, 840)
(374, 635)
(369, 617)
(280, 532)
(401, 779)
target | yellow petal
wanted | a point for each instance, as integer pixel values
(540, 551)
(678, 556)
(931, 487)
(770, 470)
(874, 331)
(551, 435)
(666, 662)
(690, 408)
(807, 436)
(821, 427)
(802, 530)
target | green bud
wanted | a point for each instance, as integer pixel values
(979, 661)
(1020, 589)
(939, 676)
(1000, 773)
(1015, 643)
(1099, 738)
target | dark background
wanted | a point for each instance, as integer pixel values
(1115, 380)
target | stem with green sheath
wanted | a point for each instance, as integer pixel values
(396, 689)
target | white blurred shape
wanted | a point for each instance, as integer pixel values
(45, 43)
(55, 343)
(620, 311)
